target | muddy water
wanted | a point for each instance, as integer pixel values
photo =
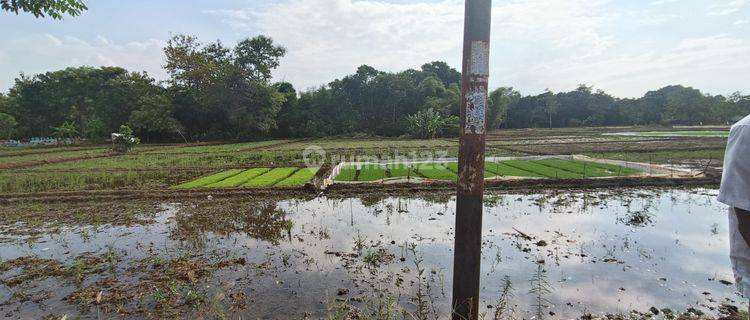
(595, 252)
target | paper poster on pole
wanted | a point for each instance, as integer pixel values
(476, 106)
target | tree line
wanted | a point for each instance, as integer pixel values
(218, 92)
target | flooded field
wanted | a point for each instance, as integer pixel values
(553, 254)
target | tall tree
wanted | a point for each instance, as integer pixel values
(96, 100)
(153, 115)
(442, 71)
(258, 57)
(7, 126)
(500, 101)
(222, 92)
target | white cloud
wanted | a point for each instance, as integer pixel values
(661, 2)
(40, 53)
(715, 64)
(723, 8)
(330, 38)
(741, 22)
(655, 20)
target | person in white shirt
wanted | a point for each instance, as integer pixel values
(735, 192)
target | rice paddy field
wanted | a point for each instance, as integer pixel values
(244, 231)
(702, 133)
(256, 177)
(82, 168)
(545, 168)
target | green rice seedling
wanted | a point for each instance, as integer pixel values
(505, 170)
(453, 167)
(435, 171)
(239, 179)
(270, 178)
(401, 170)
(299, 178)
(347, 173)
(546, 171)
(201, 182)
(578, 167)
(371, 173)
(614, 169)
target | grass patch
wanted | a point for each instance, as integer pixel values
(214, 178)
(435, 171)
(371, 173)
(347, 173)
(299, 178)
(239, 179)
(270, 178)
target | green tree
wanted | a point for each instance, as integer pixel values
(55, 9)
(499, 102)
(430, 124)
(550, 105)
(96, 100)
(94, 128)
(67, 130)
(258, 57)
(442, 71)
(220, 92)
(153, 115)
(7, 126)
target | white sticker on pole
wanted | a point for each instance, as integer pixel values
(480, 58)
(476, 106)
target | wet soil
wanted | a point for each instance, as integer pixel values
(269, 256)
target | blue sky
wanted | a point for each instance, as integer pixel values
(623, 47)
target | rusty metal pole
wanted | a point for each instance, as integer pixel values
(468, 246)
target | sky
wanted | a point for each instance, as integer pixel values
(625, 47)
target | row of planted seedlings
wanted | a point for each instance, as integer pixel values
(253, 178)
(542, 168)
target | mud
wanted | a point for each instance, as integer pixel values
(600, 253)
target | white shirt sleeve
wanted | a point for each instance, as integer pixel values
(735, 180)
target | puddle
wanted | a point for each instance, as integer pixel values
(602, 252)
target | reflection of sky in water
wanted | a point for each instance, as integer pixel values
(645, 236)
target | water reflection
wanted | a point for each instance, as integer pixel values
(553, 253)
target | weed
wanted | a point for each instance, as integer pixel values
(503, 309)
(76, 270)
(540, 287)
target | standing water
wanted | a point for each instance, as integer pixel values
(552, 254)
